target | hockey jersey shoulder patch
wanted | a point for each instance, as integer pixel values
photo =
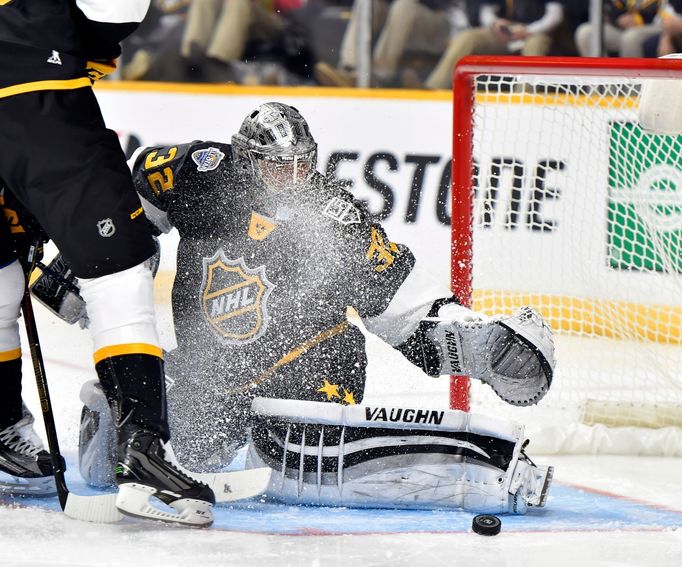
(207, 159)
(342, 211)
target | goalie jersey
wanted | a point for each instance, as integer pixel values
(262, 288)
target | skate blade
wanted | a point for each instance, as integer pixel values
(545, 487)
(19, 486)
(542, 482)
(136, 500)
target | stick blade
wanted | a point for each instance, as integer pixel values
(97, 508)
(237, 485)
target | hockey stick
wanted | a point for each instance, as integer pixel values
(95, 508)
(236, 485)
(228, 487)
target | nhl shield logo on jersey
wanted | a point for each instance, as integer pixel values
(207, 159)
(106, 228)
(234, 299)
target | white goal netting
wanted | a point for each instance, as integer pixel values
(578, 212)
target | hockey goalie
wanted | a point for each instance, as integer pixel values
(271, 255)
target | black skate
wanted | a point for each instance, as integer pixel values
(25, 467)
(144, 470)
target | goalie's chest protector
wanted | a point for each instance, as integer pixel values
(263, 285)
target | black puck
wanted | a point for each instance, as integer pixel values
(486, 524)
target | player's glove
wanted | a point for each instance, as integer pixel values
(57, 289)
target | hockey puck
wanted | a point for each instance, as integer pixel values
(486, 524)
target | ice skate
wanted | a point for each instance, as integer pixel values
(529, 484)
(145, 477)
(25, 467)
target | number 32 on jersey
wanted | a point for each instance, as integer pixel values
(160, 180)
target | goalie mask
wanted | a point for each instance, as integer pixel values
(275, 144)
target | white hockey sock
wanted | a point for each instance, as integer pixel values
(121, 311)
(11, 292)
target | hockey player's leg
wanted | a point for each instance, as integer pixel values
(25, 467)
(394, 457)
(97, 454)
(513, 354)
(129, 365)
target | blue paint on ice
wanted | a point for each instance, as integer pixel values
(568, 509)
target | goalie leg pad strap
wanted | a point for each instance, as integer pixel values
(393, 464)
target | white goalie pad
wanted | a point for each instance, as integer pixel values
(96, 438)
(393, 457)
(660, 104)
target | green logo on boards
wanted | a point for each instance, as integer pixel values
(645, 200)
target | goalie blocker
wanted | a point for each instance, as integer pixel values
(393, 457)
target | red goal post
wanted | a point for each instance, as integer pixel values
(529, 103)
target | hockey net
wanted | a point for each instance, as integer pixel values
(561, 201)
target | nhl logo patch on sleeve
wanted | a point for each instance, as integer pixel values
(207, 159)
(342, 211)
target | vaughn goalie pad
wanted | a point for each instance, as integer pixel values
(393, 457)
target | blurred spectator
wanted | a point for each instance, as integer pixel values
(576, 12)
(525, 27)
(418, 25)
(220, 33)
(669, 40)
(627, 25)
(151, 53)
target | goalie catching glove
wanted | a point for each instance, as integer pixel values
(514, 354)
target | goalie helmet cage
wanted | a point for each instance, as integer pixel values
(561, 201)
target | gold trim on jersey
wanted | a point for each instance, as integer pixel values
(131, 348)
(59, 85)
(12, 217)
(292, 355)
(10, 355)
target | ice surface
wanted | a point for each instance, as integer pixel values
(604, 511)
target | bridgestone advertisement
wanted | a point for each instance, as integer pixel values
(540, 196)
